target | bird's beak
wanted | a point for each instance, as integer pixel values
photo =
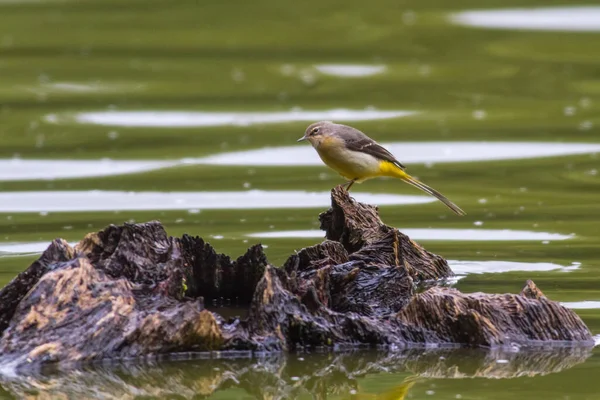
(301, 139)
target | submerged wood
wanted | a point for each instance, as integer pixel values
(131, 290)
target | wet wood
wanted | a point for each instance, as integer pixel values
(531, 291)
(479, 319)
(359, 229)
(131, 290)
(10, 296)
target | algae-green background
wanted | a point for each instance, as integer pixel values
(228, 56)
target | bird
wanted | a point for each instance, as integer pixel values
(357, 157)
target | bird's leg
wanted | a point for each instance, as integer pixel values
(349, 184)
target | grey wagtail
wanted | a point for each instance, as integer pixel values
(357, 157)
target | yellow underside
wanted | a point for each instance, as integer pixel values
(389, 169)
(361, 174)
(353, 165)
(358, 167)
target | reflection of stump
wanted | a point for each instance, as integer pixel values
(318, 375)
(479, 363)
(131, 290)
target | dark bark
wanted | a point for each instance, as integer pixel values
(10, 296)
(359, 229)
(131, 290)
(531, 291)
(215, 277)
(481, 319)
(137, 252)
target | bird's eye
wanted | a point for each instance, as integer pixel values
(315, 131)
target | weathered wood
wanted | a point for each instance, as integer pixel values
(131, 290)
(480, 319)
(77, 313)
(531, 291)
(137, 252)
(215, 277)
(284, 321)
(359, 229)
(10, 296)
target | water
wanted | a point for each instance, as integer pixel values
(545, 19)
(180, 101)
(95, 200)
(441, 234)
(201, 119)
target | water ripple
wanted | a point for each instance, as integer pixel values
(580, 19)
(96, 200)
(407, 152)
(183, 119)
(434, 234)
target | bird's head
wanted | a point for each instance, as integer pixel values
(319, 133)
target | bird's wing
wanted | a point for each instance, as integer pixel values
(369, 146)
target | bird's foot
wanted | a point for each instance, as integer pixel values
(349, 184)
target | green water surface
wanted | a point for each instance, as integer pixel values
(467, 84)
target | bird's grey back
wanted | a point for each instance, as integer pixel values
(348, 133)
(357, 141)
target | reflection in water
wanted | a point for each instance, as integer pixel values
(350, 70)
(176, 119)
(23, 249)
(490, 267)
(434, 234)
(77, 87)
(582, 305)
(292, 376)
(464, 268)
(28, 1)
(21, 170)
(81, 87)
(544, 19)
(96, 200)
(409, 153)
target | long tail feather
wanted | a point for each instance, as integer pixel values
(414, 182)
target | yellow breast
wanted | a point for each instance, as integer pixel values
(350, 164)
